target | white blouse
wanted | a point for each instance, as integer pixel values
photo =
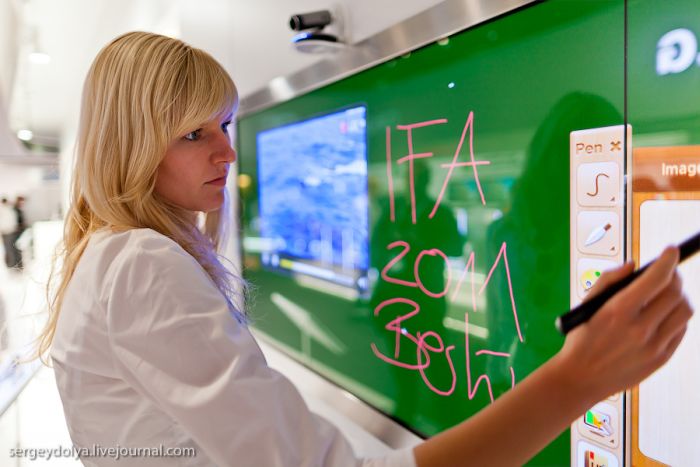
(147, 355)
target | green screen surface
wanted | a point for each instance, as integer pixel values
(468, 228)
(664, 72)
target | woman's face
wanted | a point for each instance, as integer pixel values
(193, 172)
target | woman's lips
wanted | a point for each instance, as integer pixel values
(218, 182)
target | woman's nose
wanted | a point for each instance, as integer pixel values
(225, 151)
(228, 154)
(233, 155)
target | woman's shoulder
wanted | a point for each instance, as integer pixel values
(142, 265)
(132, 242)
(139, 249)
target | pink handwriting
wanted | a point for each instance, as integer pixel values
(439, 349)
(411, 157)
(429, 343)
(468, 126)
(471, 391)
(502, 254)
(390, 264)
(433, 252)
(423, 348)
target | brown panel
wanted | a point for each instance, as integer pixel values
(663, 169)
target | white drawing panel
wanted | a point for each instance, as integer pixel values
(669, 401)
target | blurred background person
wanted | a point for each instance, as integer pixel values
(20, 227)
(8, 226)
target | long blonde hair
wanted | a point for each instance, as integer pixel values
(142, 91)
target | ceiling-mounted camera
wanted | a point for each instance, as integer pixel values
(319, 31)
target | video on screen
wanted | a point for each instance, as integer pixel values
(313, 202)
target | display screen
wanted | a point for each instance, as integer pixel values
(498, 188)
(312, 183)
(467, 189)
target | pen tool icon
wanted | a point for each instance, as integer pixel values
(597, 234)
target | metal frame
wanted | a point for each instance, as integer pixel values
(443, 20)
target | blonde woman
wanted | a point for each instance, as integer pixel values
(148, 336)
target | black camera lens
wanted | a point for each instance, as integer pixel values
(316, 19)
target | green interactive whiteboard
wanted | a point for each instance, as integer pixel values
(406, 229)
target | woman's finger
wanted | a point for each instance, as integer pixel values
(652, 281)
(673, 344)
(662, 305)
(672, 325)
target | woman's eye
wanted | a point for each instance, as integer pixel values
(193, 136)
(225, 125)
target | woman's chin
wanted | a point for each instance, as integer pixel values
(214, 205)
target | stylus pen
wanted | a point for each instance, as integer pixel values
(586, 310)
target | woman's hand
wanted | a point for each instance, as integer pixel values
(632, 335)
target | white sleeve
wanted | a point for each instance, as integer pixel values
(175, 342)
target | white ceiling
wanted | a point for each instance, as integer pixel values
(250, 38)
